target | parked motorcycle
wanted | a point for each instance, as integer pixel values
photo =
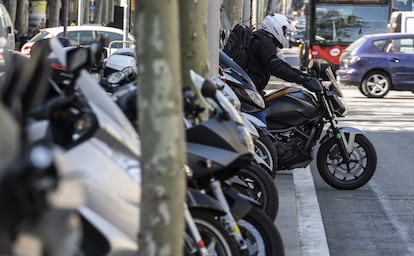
(217, 149)
(256, 183)
(251, 101)
(297, 118)
(346, 159)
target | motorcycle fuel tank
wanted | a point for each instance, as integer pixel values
(289, 107)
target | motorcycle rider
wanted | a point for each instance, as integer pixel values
(264, 61)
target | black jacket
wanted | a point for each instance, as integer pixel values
(263, 61)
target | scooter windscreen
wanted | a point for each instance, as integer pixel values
(228, 92)
(226, 62)
(199, 83)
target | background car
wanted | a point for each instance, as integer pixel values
(379, 63)
(80, 35)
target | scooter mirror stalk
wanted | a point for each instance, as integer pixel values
(208, 89)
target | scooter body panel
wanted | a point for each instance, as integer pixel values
(206, 160)
(218, 134)
(197, 200)
(109, 190)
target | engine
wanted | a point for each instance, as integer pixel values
(294, 147)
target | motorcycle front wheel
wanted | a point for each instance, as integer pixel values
(217, 240)
(347, 176)
(261, 235)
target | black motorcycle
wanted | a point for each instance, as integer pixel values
(346, 159)
(250, 102)
(217, 150)
(297, 119)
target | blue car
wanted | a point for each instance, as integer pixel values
(379, 63)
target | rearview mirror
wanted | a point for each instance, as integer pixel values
(77, 58)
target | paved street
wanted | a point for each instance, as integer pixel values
(376, 219)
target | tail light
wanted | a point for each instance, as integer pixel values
(57, 66)
(26, 49)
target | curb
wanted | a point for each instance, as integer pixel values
(312, 236)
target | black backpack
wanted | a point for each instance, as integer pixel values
(238, 44)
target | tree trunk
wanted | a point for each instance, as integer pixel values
(108, 12)
(54, 12)
(269, 8)
(194, 41)
(85, 12)
(111, 10)
(233, 10)
(98, 11)
(161, 128)
(22, 18)
(260, 12)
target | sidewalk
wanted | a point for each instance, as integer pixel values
(299, 219)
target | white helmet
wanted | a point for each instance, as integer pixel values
(279, 26)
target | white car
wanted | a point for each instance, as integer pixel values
(83, 35)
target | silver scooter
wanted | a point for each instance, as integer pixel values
(105, 147)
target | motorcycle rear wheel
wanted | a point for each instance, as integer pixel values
(340, 175)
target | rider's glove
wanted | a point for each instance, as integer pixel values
(312, 84)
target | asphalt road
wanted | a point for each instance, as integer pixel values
(378, 218)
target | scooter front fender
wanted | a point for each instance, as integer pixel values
(347, 134)
(197, 200)
(240, 205)
(254, 120)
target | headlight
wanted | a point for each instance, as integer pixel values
(250, 95)
(116, 77)
(256, 98)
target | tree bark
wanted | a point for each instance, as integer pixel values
(269, 8)
(194, 41)
(86, 13)
(22, 17)
(161, 128)
(54, 12)
(99, 7)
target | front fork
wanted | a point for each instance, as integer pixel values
(345, 143)
(194, 232)
(228, 219)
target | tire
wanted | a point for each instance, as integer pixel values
(362, 90)
(344, 176)
(261, 235)
(376, 84)
(262, 188)
(266, 149)
(212, 232)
